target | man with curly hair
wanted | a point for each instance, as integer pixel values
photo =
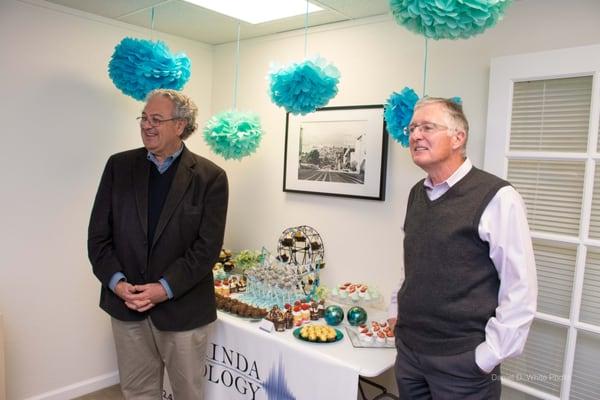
(155, 231)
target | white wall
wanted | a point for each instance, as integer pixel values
(363, 239)
(61, 117)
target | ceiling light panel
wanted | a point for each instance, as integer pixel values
(257, 11)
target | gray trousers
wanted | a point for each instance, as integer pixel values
(456, 377)
(143, 352)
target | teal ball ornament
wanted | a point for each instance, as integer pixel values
(356, 316)
(334, 315)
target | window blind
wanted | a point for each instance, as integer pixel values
(551, 115)
(555, 264)
(542, 358)
(585, 383)
(509, 393)
(590, 297)
(552, 191)
(594, 231)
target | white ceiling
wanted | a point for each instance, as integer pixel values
(193, 22)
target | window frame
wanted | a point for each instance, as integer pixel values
(504, 72)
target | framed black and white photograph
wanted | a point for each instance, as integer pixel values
(337, 151)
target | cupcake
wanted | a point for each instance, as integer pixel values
(389, 337)
(343, 293)
(321, 308)
(362, 292)
(228, 266)
(367, 337)
(331, 334)
(299, 236)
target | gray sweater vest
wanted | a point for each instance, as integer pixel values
(451, 285)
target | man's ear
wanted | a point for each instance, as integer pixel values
(458, 139)
(180, 126)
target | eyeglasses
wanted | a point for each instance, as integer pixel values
(153, 121)
(426, 128)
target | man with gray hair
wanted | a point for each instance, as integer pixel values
(470, 288)
(156, 230)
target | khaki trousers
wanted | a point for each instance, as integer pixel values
(143, 352)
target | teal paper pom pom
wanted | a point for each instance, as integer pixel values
(232, 134)
(398, 112)
(448, 19)
(139, 66)
(303, 87)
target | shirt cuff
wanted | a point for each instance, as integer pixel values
(485, 358)
(392, 311)
(165, 285)
(116, 278)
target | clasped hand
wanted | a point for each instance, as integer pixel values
(141, 297)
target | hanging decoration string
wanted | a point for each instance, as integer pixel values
(152, 24)
(306, 30)
(237, 68)
(425, 69)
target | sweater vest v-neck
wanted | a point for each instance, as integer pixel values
(451, 286)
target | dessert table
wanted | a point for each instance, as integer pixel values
(245, 362)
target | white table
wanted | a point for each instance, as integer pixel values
(355, 361)
(245, 362)
(368, 362)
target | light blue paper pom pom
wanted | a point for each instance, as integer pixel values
(139, 66)
(448, 19)
(232, 134)
(303, 87)
(398, 112)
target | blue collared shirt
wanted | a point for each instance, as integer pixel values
(165, 164)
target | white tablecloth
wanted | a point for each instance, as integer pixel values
(244, 362)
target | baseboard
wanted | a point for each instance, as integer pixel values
(80, 388)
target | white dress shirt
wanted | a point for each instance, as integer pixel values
(504, 226)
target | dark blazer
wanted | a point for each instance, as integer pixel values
(187, 241)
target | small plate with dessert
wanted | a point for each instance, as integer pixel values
(316, 333)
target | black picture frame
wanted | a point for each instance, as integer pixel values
(337, 151)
